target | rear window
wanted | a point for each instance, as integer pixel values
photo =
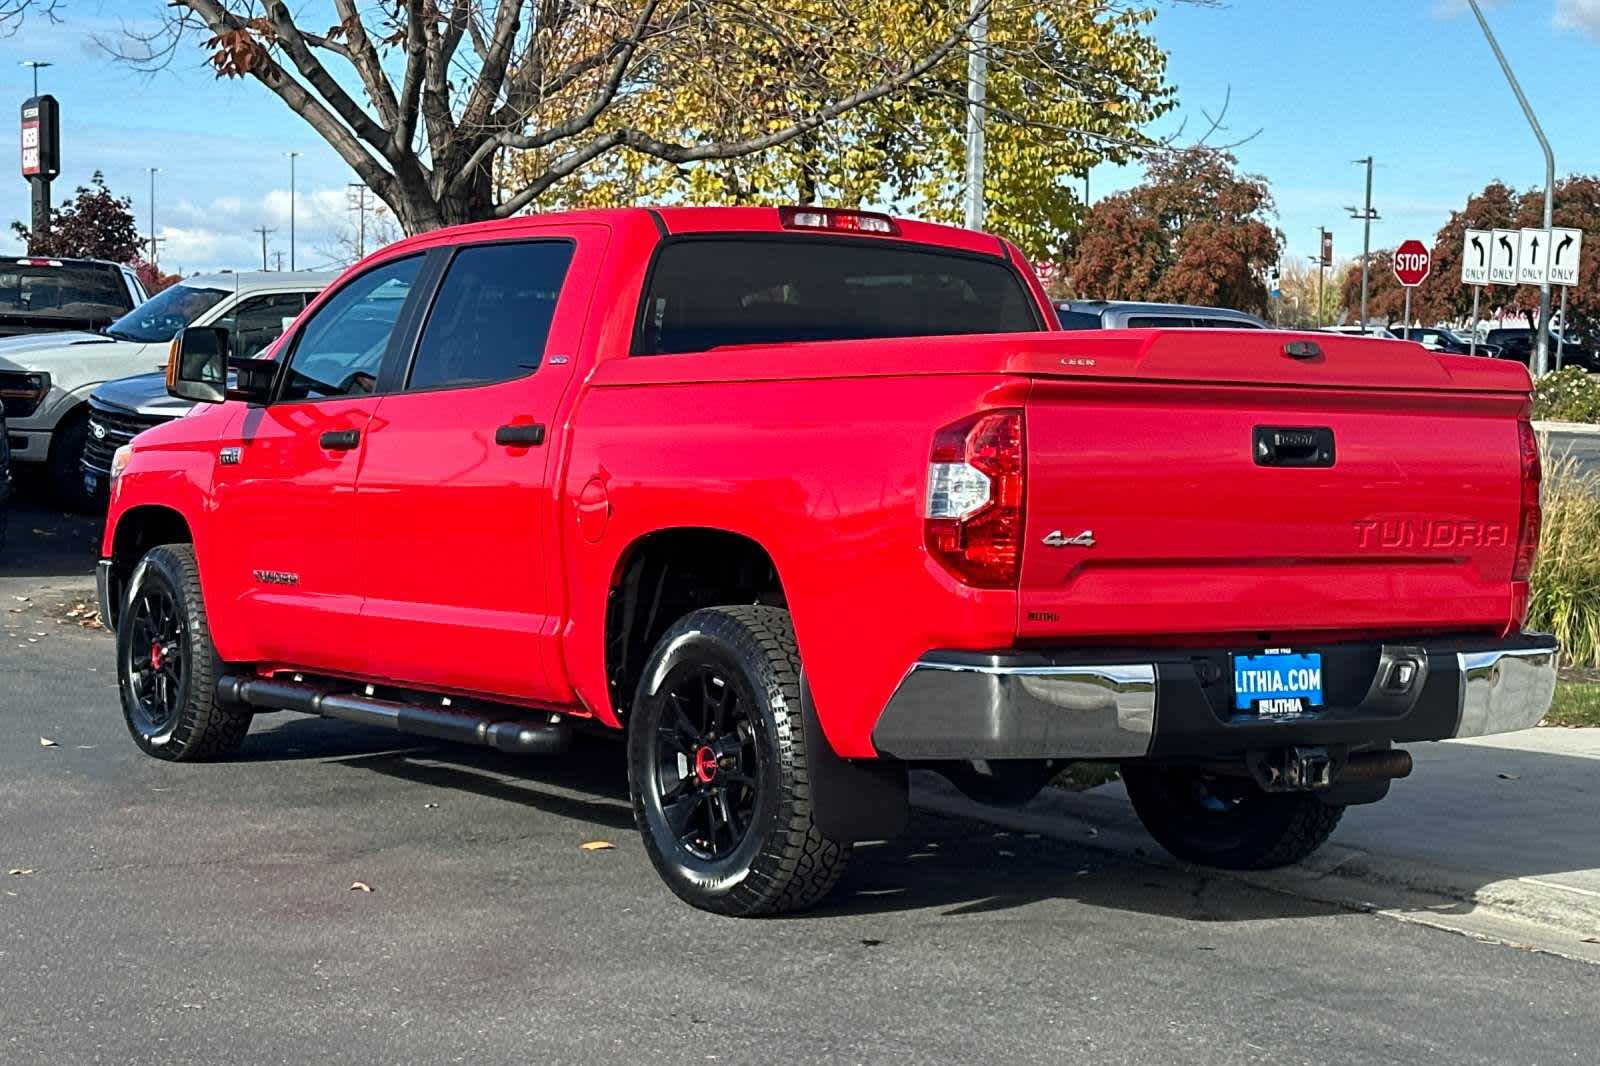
(707, 294)
(66, 291)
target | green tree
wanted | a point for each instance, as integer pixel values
(1194, 231)
(94, 224)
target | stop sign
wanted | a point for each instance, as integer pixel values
(1412, 261)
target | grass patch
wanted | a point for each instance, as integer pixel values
(1577, 703)
(1566, 578)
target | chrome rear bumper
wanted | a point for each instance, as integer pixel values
(1173, 703)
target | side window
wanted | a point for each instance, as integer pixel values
(341, 348)
(492, 315)
(257, 320)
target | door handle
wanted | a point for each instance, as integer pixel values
(341, 440)
(520, 436)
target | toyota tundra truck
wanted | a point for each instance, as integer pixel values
(797, 500)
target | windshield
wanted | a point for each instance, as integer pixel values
(160, 318)
(92, 292)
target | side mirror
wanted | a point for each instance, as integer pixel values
(197, 368)
(200, 368)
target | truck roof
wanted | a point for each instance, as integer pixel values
(263, 279)
(681, 221)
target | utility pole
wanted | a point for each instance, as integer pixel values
(977, 90)
(1367, 215)
(292, 157)
(263, 231)
(361, 218)
(279, 254)
(153, 257)
(1542, 351)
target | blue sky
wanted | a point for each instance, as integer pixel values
(1411, 82)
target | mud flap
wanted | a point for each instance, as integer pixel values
(852, 799)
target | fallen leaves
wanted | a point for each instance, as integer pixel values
(1508, 777)
(597, 845)
(20, 871)
(360, 886)
(46, 742)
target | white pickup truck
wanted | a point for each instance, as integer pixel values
(46, 378)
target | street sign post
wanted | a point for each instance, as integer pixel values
(1475, 249)
(1412, 263)
(1566, 255)
(1503, 257)
(1533, 256)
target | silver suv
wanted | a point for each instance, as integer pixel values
(1134, 314)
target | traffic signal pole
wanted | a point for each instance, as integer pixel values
(1542, 351)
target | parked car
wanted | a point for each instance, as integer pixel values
(119, 410)
(5, 480)
(1134, 314)
(802, 498)
(1440, 339)
(45, 380)
(1357, 330)
(1520, 343)
(40, 294)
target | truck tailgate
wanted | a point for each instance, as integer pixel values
(1210, 483)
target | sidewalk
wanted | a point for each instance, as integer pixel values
(1497, 838)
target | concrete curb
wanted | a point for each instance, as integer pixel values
(1525, 912)
(1584, 428)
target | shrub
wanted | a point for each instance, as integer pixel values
(1566, 577)
(1571, 394)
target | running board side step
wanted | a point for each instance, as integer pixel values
(548, 735)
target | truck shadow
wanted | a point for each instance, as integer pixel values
(1482, 815)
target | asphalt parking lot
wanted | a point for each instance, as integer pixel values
(205, 914)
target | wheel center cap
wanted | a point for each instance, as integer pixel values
(705, 765)
(156, 657)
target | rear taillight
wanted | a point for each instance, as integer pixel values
(975, 493)
(1531, 518)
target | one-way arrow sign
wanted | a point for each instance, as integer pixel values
(1566, 254)
(1475, 257)
(1533, 256)
(1503, 257)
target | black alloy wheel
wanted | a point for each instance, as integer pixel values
(154, 662)
(708, 768)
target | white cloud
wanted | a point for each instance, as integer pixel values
(1580, 15)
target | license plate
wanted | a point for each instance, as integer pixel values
(1277, 684)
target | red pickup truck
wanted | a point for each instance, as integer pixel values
(799, 499)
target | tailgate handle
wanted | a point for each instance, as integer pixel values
(1293, 446)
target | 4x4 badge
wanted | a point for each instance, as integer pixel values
(1082, 540)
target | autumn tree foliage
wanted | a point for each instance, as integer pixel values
(1442, 298)
(1386, 297)
(94, 224)
(1194, 231)
(1070, 85)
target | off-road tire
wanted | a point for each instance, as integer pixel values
(202, 727)
(783, 862)
(64, 465)
(1258, 831)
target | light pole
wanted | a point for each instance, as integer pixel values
(292, 157)
(1542, 351)
(1367, 215)
(36, 64)
(153, 172)
(977, 89)
(360, 190)
(263, 231)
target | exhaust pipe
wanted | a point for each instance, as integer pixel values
(549, 735)
(1377, 766)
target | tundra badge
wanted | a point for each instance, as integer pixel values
(1082, 540)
